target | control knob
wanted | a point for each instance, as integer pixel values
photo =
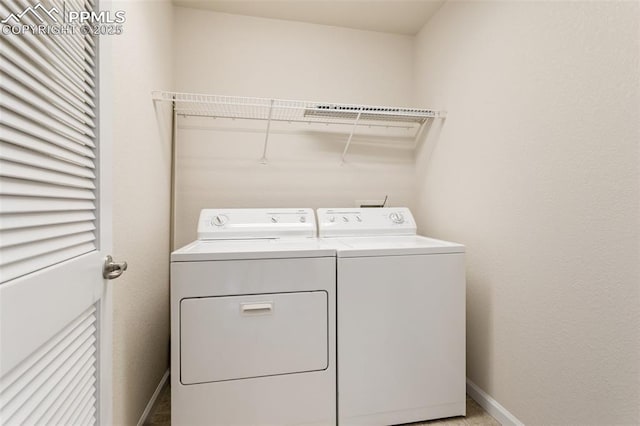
(219, 220)
(396, 217)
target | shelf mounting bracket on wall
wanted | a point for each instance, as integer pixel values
(353, 129)
(425, 123)
(263, 160)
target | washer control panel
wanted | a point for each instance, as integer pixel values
(355, 222)
(227, 224)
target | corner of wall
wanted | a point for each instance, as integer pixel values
(142, 161)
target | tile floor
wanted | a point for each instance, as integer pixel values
(476, 416)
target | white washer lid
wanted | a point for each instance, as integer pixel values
(254, 249)
(394, 246)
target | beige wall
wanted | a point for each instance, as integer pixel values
(536, 170)
(141, 62)
(243, 56)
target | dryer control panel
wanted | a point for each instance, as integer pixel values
(362, 222)
(229, 224)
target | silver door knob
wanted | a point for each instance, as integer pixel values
(112, 269)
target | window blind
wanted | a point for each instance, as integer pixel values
(47, 142)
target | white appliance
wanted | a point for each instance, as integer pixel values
(253, 321)
(401, 318)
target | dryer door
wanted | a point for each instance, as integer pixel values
(240, 337)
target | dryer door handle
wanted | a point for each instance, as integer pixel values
(256, 308)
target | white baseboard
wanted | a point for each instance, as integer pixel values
(492, 406)
(483, 399)
(154, 397)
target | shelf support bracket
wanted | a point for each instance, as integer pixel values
(263, 160)
(353, 129)
(416, 139)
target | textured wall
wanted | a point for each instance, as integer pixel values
(536, 170)
(142, 155)
(244, 56)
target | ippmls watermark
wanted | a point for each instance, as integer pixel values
(38, 19)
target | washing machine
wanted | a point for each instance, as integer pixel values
(400, 316)
(253, 321)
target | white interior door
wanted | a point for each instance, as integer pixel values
(55, 224)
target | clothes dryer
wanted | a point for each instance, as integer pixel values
(400, 316)
(253, 321)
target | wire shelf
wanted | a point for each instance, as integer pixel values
(235, 107)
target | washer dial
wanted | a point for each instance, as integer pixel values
(219, 220)
(396, 217)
